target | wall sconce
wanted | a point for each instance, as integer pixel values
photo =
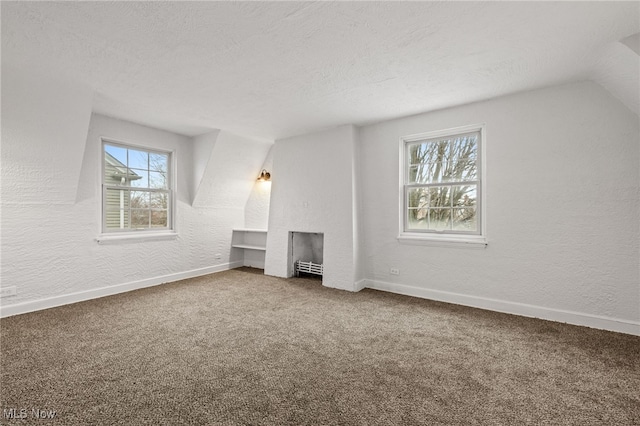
(265, 176)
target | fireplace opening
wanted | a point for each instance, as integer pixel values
(306, 254)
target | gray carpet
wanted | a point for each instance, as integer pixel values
(240, 348)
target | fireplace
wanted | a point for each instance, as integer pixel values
(306, 250)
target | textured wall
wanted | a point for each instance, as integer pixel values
(312, 191)
(562, 201)
(231, 171)
(50, 248)
(202, 147)
(44, 126)
(256, 212)
(562, 206)
(51, 196)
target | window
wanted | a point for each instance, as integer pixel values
(442, 186)
(136, 189)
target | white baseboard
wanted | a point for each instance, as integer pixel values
(569, 317)
(359, 285)
(65, 299)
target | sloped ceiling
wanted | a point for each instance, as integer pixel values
(632, 42)
(618, 70)
(276, 69)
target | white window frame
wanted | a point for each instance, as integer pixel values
(477, 239)
(107, 236)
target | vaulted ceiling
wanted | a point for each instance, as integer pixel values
(277, 69)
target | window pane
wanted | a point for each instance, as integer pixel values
(439, 196)
(417, 219)
(158, 162)
(139, 200)
(434, 172)
(159, 200)
(117, 209)
(431, 172)
(430, 208)
(415, 173)
(117, 153)
(139, 178)
(139, 219)
(465, 219)
(117, 219)
(113, 176)
(138, 159)
(157, 180)
(417, 197)
(464, 195)
(115, 168)
(443, 160)
(159, 219)
(417, 156)
(447, 168)
(117, 199)
(422, 160)
(439, 219)
(139, 170)
(461, 158)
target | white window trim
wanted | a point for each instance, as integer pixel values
(435, 238)
(122, 237)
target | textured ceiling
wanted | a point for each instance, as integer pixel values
(277, 69)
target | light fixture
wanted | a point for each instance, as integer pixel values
(265, 176)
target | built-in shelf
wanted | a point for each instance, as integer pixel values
(253, 242)
(249, 247)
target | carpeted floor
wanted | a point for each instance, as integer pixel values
(240, 348)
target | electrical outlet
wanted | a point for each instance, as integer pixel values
(8, 291)
(394, 271)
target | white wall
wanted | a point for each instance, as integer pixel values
(51, 199)
(231, 172)
(312, 191)
(562, 204)
(202, 149)
(256, 211)
(44, 126)
(562, 210)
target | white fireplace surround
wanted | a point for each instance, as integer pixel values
(307, 196)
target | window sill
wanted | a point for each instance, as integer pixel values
(135, 237)
(457, 241)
